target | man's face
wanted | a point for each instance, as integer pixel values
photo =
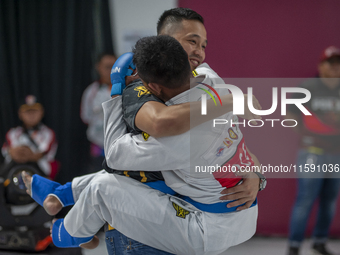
(31, 117)
(193, 38)
(104, 68)
(330, 68)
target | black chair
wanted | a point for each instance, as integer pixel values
(24, 224)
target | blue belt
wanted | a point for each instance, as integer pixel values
(211, 208)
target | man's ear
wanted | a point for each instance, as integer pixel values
(154, 88)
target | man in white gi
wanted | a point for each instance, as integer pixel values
(162, 221)
(191, 34)
(158, 120)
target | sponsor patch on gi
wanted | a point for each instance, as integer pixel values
(142, 91)
(180, 212)
(219, 151)
(227, 142)
(232, 134)
(145, 136)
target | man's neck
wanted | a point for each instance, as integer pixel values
(170, 93)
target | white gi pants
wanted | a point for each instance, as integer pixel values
(154, 218)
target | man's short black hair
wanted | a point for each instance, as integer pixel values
(177, 15)
(162, 60)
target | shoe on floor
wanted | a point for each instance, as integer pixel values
(293, 251)
(320, 249)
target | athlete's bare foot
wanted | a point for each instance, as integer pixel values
(51, 204)
(89, 245)
(28, 182)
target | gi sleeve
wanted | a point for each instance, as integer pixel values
(137, 152)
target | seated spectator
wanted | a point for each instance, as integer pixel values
(32, 141)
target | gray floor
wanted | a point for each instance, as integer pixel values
(275, 246)
(255, 246)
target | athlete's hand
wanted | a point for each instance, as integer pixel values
(248, 115)
(123, 67)
(131, 78)
(246, 192)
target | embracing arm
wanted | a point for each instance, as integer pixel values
(123, 150)
(159, 120)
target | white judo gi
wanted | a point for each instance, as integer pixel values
(150, 216)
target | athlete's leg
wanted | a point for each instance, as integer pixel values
(137, 211)
(156, 219)
(41, 190)
(79, 183)
(52, 195)
(52, 205)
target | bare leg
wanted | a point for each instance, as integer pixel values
(92, 244)
(51, 204)
(28, 182)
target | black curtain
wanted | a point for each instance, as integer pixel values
(48, 48)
